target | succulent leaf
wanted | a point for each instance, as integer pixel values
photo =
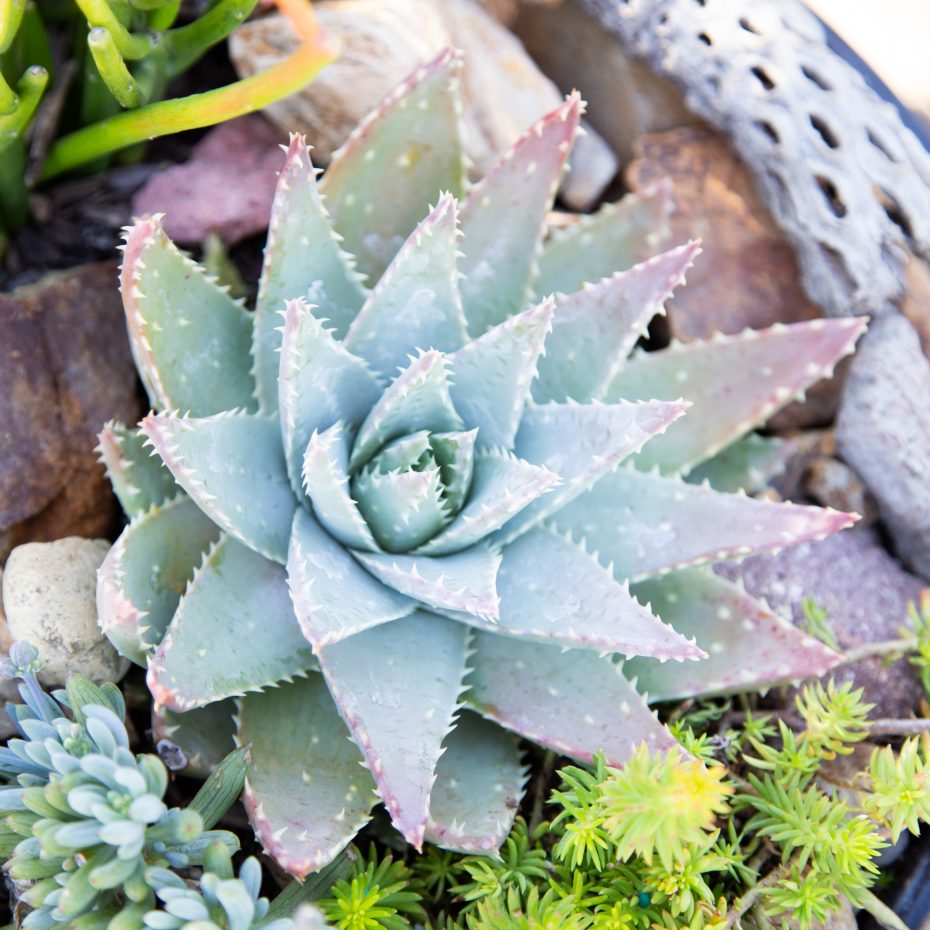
(334, 597)
(235, 631)
(479, 782)
(416, 303)
(504, 215)
(190, 339)
(232, 465)
(397, 686)
(303, 259)
(748, 646)
(745, 465)
(417, 399)
(417, 131)
(502, 486)
(143, 575)
(326, 481)
(616, 237)
(455, 455)
(582, 443)
(321, 382)
(197, 741)
(552, 590)
(463, 581)
(492, 374)
(638, 523)
(594, 329)
(306, 792)
(569, 700)
(139, 479)
(734, 382)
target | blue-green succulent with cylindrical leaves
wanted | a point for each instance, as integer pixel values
(422, 497)
(84, 819)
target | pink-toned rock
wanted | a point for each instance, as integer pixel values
(225, 188)
(865, 593)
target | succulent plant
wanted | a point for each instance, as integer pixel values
(86, 830)
(430, 515)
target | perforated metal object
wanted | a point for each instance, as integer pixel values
(843, 176)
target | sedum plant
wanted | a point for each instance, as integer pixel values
(86, 836)
(422, 497)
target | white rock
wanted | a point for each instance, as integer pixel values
(49, 597)
(382, 41)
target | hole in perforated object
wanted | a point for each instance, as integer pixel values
(705, 38)
(762, 77)
(826, 133)
(877, 143)
(832, 196)
(768, 129)
(748, 26)
(815, 78)
(894, 211)
(701, 2)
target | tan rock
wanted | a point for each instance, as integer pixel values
(625, 98)
(49, 598)
(9, 690)
(916, 303)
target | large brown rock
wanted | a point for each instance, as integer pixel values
(747, 274)
(865, 593)
(65, 368)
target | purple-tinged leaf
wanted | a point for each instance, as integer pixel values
(748, 645)
(479, 784)
(594, 328)
(748, 464)
(464, 581)
(504, 217)
(326, 481)
(734, 382)
(615, 238)
(306, 792)
(303, 259)
(195, 743)
(553, 591)
(138, 477)
(232, 465)
(502, 486)
(570, 700)
(491, 376)
(401, 156)
(397, 686)
(142, 577)
(582, 443)
(334, 597)
(321, 383)
(234, 631)
(190, 339)
(416, 304)
(417, 399)
(646, 524)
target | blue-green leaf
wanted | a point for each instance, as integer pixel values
(139, 479)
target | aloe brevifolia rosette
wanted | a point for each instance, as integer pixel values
(396, 502)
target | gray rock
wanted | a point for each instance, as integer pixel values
(883, 432)
(865, 593)
(49, 597)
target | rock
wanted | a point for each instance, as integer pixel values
(747, 274)
(883, 432)
(916, 303)
(226, 187)
(625, 97)
(385, 40)
(865, 593)
(49, 597)
(65, 369)
(832, 483)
